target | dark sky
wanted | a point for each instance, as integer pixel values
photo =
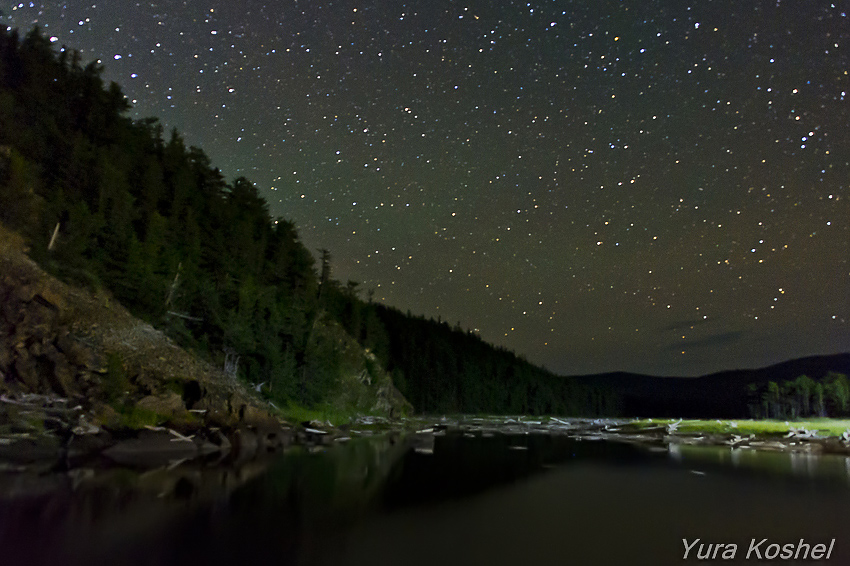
(658, 186)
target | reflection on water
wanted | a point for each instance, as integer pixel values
(780, 464)
(455, 498)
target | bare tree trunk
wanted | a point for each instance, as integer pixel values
(173, 287)
(53, 238)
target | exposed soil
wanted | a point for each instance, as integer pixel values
(74, 362)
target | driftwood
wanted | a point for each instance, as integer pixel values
(801, 433)
(84, 427)
(185, 316)
(180, 437)
(671, 428)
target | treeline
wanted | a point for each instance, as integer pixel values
(441, 369)
(109, 202)
(800, 398)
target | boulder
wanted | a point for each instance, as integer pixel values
(5, 358)
(152, 449)
(84, 446)
(62, 377)
(255, 416)
(169, 404)
(77, 354)
(26, 370)
(273, 438)
(104, 415)
(37, 448)
(245, 444)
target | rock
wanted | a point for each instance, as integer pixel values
(216, 411)
(23, 293)
(168, 404)
(272, 439)
(80, 447)
(245, 444)
(224, 444)
(26, 370)
(58, 339)
(255, 416)
(77, 354)
(61, 378)
(106, 416)
(152, 449)
(37, 448)
(84, 427)
(192, 393)
(36, 349)
(206, 447)
(5, 358)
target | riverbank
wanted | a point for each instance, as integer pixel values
(829, 436)
(79, 374)
(64, 446)
(82, 379)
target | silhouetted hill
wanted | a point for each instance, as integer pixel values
(717, 395)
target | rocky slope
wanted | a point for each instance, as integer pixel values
(65, 341)
(77, 368)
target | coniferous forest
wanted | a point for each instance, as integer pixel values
(117, 204)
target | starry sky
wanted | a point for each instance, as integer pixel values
(659, 186)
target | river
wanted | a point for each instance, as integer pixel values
(437, 500)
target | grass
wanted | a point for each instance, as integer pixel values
(295, 413)
(115, 382)
(826, 426)
(135, 418)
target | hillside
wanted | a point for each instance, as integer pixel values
(60, 341)
(114, 206)
(723, 394)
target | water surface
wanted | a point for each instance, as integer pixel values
(456, 498)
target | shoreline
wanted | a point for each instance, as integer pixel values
(69, 440)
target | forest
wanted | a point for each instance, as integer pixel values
(800, 398)
(115, 204)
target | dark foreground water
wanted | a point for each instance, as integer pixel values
(465, 499)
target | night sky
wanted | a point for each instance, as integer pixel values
(657, 186)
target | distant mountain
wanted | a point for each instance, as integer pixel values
(717, 395)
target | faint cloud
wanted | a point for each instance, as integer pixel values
(720, 340)
(683, 325)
